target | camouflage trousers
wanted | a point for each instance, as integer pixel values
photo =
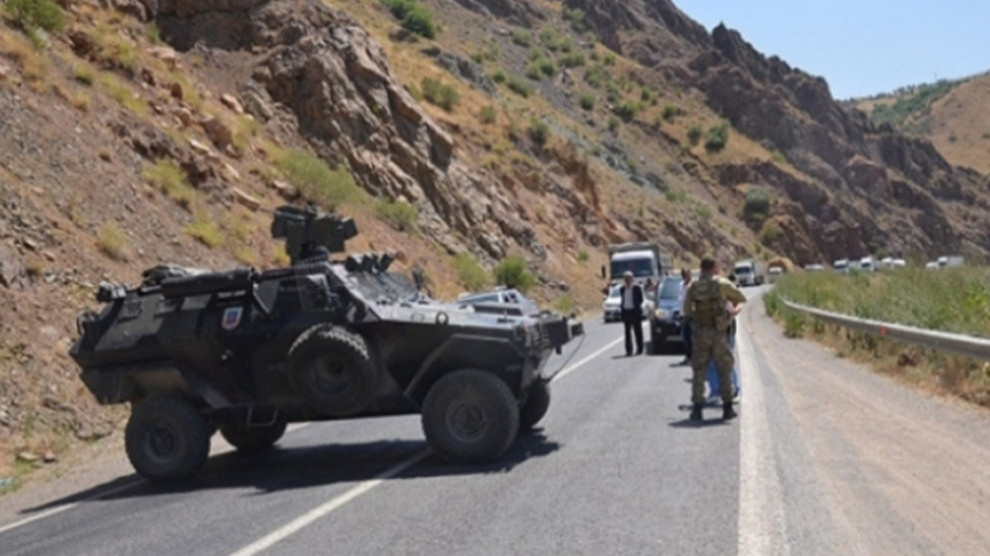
(710, 344)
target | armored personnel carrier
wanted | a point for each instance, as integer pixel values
(247, 352)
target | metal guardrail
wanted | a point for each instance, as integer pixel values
(957, 344)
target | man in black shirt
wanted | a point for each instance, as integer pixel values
(632, 312)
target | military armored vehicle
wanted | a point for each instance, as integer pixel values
(247, 352)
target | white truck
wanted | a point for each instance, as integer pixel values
(749, 272)
(642, 258)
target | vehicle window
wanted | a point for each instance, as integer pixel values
(741, 270)
(639, 267)
(487, 298)
(671, 289)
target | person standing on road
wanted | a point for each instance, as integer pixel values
(704, 304)
(632, 312)
(714, 387)
(686, 322)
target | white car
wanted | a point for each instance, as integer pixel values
(774, 274)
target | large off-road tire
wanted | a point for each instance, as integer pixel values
(329, 367)
(470, 416)
(167, 439)
(536, 405)
(253, 439)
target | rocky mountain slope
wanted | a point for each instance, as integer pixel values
(949, 113)
(143, 131)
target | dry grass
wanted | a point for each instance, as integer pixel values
(167, 177)
(34, 64)
(204, 230)
(112, 241)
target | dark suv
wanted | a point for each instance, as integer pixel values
(665, 318)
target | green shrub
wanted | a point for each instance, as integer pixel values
(575, 17)
(498, 76)
(522, 38)
(548, 36)
(613, 124)
(565, 304)
(513, 273)
(439, 93)
(398, 214)
(539, 132)
(36, 14)
(316, 180)
(756, 206)
(609, 59)
(669, 112)
(587, 101)
(717, 137)
(469, 272)
(583, 256)
(694, 135)
(518, 86)
(627, 109)
(414, 16)
(572, 60)
(596, 75)
(488, 114)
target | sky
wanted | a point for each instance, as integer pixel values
(861, 47)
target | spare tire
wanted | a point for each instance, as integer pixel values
(330, 369)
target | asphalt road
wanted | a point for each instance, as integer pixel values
(614, 468)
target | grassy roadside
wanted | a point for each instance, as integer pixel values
(953, 300)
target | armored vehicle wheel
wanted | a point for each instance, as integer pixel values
(470, 416)
(329, 367)
(253, 439)
(536, 406)
(166, 439)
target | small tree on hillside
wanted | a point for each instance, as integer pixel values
(512, 273)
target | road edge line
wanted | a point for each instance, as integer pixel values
(762, 527)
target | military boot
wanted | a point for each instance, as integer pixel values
(728, 412)
(696, 412)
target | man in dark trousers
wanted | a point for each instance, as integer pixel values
(632, 312)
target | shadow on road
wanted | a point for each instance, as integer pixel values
(283, 469)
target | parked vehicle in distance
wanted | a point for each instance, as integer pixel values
(841, 266)
(866, 264)
(774, 274)
(891, 263)
(814, 267)
(950, 260)
(749, 272)
(612, 306)
(932, 265)
(512, 300)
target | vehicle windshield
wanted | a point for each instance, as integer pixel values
(742, 270)
(639, 267)
(671, 289)
(614, 292)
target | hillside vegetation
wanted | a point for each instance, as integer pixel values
(950, 299)
(950, 113)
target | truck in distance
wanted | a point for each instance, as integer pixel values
(749, 272)
(643, 259)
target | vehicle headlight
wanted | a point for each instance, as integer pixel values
(662, 314)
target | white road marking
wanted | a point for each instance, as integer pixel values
(762, 524)
(64, 507)
(322, 510)
(584, 361)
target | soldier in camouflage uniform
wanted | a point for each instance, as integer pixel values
(704, 305)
